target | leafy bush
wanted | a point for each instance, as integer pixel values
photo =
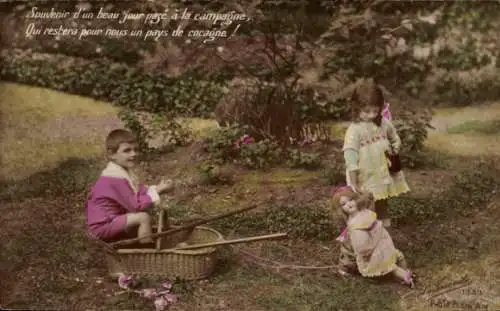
(412, 129)
(471, 190)
(213, 174)
(187, 95)
(300, 159)
(155, 127)
(231, 144)
(261, 154)
(222, 145)
(466, 59)
(452, 90)
(301, 222)
(131, 122)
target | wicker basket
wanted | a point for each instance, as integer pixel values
(183, 264)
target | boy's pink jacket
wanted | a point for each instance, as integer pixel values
(116, 193)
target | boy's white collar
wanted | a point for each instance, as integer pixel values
(116, 171)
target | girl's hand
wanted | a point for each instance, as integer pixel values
(165, 185)
(356, 188)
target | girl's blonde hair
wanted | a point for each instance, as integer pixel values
(367, 93)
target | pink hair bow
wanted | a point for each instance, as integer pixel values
(386, 113)
(342, 188)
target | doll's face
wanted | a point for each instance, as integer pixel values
(348, 205)
(369, 113)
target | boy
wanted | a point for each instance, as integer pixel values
(117, 203)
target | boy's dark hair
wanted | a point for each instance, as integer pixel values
(367, 93)
(117, 137)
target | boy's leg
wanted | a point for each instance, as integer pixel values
(142, 221)
(382, 210)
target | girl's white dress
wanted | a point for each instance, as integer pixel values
(372, 142)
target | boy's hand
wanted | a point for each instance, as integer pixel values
(165, 185)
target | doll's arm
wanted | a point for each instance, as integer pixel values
(367, 200)
(361, 242)
(393, 137)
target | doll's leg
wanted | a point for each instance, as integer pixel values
(141, 220)
(404, 275)
(382, 210)
(401, 261)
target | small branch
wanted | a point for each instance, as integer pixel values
(275, 265)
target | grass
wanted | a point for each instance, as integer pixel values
(37, 121)
(491, 127)
(43, 224)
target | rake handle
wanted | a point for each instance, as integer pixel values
(235, 241)
(185, 227)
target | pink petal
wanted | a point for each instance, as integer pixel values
(167, 285)
(124, 281)
(171, 297)
(161, 303)
(148, 293)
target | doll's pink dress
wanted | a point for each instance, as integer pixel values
(367, 234)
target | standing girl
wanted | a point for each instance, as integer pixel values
(369, 142)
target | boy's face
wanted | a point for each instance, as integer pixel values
(369, 113)
(126, 155)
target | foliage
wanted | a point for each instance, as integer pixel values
(471, 190)
(301, 222)
(158, 126)
(213, 174)
(222, 145)
(459, 92)
(261, 154)
(465, 57)
(300, 159)
(412, 128)
(231, 144)
(187, 95)
(132, 123)
(335, 174)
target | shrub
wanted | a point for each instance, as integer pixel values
(459, 92)
(412, 128)
(212, 174)
(222, 146)
(260, 155)
(187, 95)
(158, 127)
(300, 159)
